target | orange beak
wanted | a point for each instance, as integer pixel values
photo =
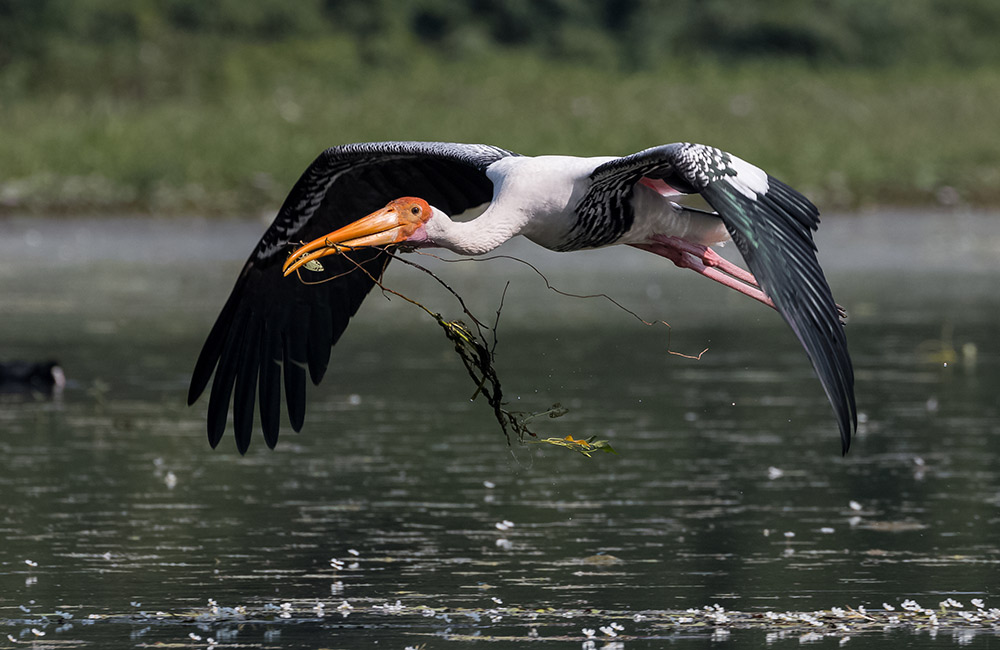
(394, 223)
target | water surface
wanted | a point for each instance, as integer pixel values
(401, 497)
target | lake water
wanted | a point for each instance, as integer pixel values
(400, 517)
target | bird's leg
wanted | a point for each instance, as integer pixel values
(710, 258)
(703, 260)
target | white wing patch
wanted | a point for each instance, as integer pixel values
(750, 181)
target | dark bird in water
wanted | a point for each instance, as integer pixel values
(28, 377)
(361, 198)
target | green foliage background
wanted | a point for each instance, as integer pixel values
(185, 105)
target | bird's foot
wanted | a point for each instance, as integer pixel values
(704, 261)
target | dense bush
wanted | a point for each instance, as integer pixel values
(635, 34)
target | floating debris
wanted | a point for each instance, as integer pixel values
(585, 447)
(520, 624)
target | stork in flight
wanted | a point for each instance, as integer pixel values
(274, 327)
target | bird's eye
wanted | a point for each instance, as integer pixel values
(415, 209)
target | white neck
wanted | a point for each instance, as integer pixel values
(480, 235)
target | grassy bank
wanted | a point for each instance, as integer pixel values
(235, 143)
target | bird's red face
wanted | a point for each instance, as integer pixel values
(397, 222)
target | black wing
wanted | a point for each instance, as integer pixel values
(273, 327)
(772, 226)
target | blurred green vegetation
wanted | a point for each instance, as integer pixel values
(187, 106)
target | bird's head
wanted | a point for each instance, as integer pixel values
(401, 220)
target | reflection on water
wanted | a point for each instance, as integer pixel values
(401, 497)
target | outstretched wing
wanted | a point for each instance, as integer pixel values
(273, 327)
(772, 226)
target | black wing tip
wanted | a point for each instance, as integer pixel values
(846, 433)
(849, 423)
(215, 434)
(242, 444)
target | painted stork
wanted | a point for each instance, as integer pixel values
(273, 326)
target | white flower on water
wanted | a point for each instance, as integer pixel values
(589, 632)
(887, 607)
(608, 630)
(977, 603)
(397, 607)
